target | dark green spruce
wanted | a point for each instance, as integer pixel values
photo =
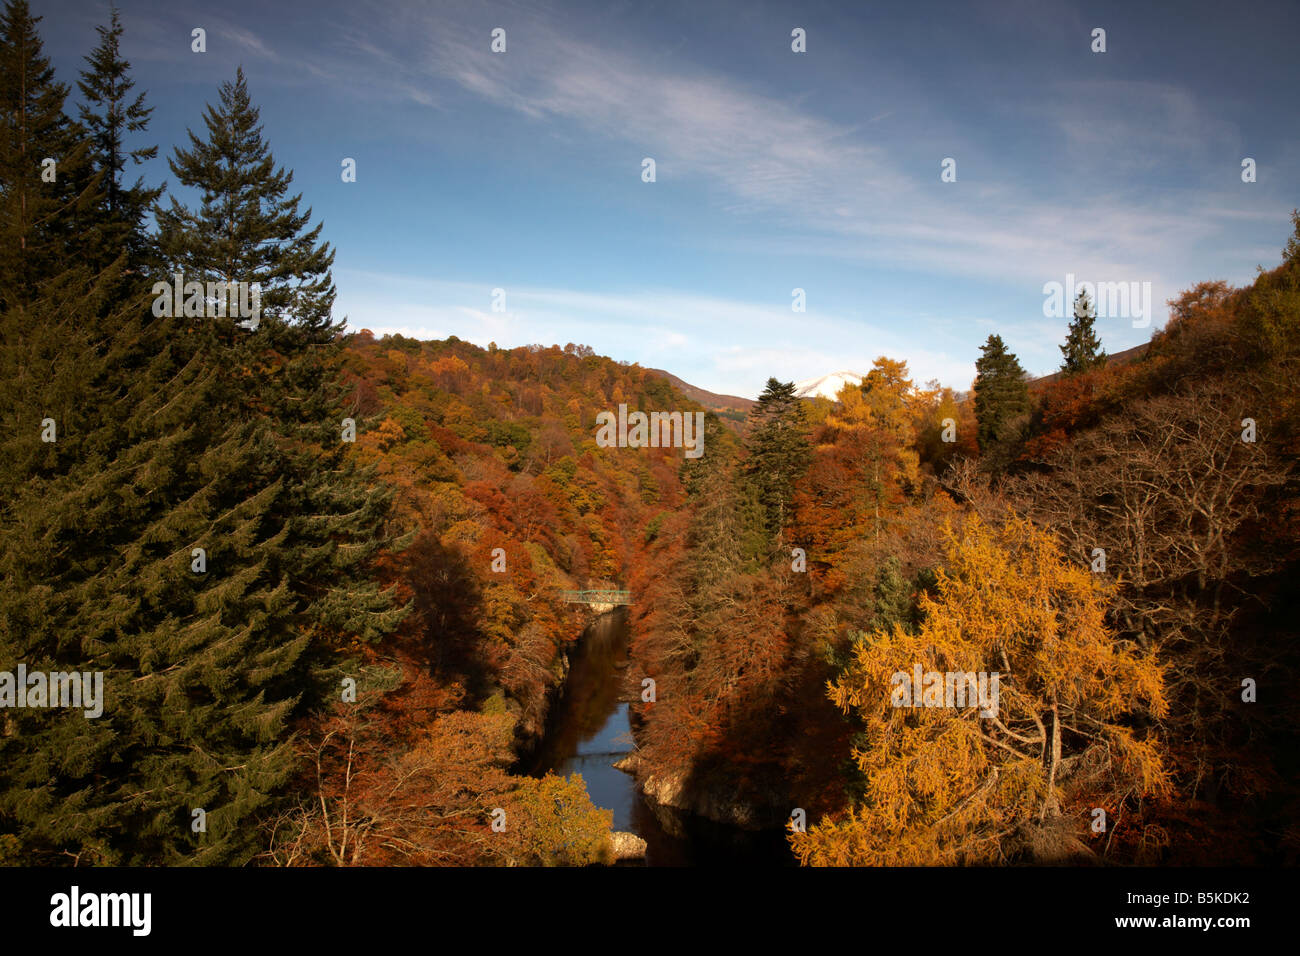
(779, 452)
(1082, 349)
(42, 219)
(1001, 394)
(111, 116)
(198, 533)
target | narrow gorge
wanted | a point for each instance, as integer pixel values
(590, 731)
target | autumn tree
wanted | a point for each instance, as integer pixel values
(716, 640)
(943, 428)
(965, 784)
(1271, 310)
(551, 821)
(890, 396)
(1162, 490)
(445, 797)
(852, 490)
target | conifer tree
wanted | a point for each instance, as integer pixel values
(67, 338)
(1001, 392)
(778, 451)
(109, 114)
(189, 542)
(48, 301)
(41, 219)
(1082, 349)
(727, 533)
(202, 651)
(248, 229)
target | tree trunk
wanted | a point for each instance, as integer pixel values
(1053, 761)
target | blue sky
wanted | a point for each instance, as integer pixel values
(775, 169)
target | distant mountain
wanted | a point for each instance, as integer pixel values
(828, 386)
(729, 407)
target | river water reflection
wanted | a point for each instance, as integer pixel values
(589, 732)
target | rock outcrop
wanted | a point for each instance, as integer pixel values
(674, 790)
(627, 846)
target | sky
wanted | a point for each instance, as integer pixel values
(775, 170)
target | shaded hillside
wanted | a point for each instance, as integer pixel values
(1123, 553)
(1126, 357)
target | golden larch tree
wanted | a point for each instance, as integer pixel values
(1068, 733)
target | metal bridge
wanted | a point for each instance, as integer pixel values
(597, 597)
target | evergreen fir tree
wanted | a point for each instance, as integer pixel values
(42, 220)
(778, 451)
(54, 541)
(202, 667)
(727, 533)
(1082, 348)
(1001, 393)
(67, 338)
(248, 229)
(175, 448)
(109, 114)
(45, 291)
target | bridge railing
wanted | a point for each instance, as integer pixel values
(597, 597)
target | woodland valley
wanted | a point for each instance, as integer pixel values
(326, 574)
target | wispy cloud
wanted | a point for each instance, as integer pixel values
(776, 158)
(1064, 176)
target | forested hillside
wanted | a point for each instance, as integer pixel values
(1119, 544)
(496, 470)
(321, 573)
(276, 542)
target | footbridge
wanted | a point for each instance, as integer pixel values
(597, 597)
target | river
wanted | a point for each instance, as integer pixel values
(589, 731)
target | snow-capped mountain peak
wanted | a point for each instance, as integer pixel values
(828, 386)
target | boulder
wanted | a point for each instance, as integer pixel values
(627, 846)
(628, 764)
